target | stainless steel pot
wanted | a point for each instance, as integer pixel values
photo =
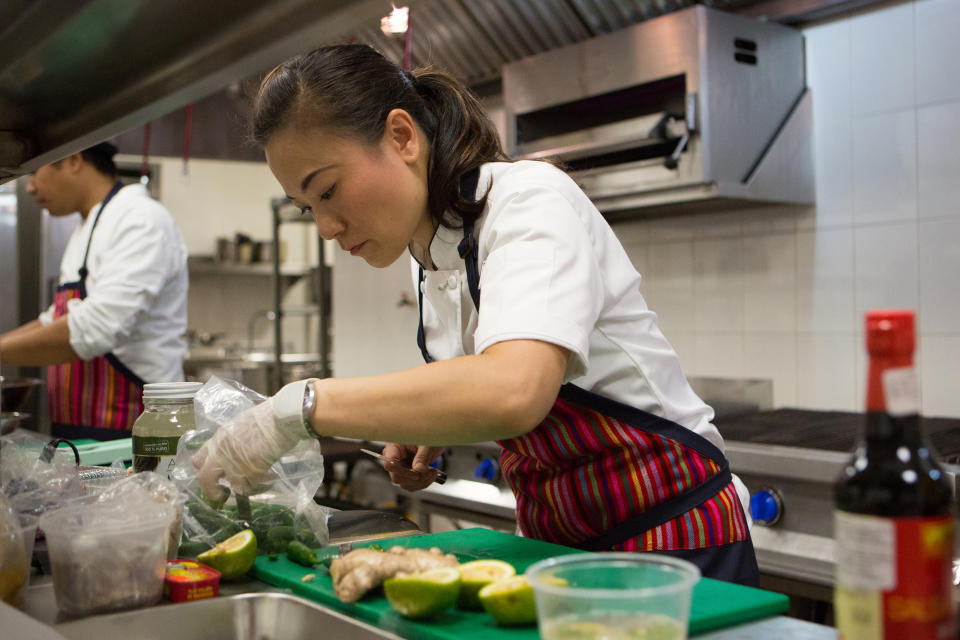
(9, 420)
(14, 392)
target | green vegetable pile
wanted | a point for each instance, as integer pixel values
(275, 526)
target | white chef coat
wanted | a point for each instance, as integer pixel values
(552, 269)
(136, 304)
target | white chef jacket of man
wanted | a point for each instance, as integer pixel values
(551, 269)
(136, 304)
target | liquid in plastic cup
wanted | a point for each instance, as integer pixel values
(613, 596)
(16, 552)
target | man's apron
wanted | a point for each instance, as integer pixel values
(97, 398)
(600, 475)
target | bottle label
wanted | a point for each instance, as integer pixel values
(901, 392)
(154, 454)
(894, 577)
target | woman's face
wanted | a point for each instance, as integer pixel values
(371, 199)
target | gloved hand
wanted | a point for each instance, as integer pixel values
(243, 450)
(411, 468)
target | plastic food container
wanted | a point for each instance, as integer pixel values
(613, 595)
(189, 580)
(16, 551)
(104, 558)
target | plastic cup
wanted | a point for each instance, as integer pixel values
(613, 596)
(16, 552)
(104, 561)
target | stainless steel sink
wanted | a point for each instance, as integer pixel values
(251, 616)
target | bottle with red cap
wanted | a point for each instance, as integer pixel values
(894, 519)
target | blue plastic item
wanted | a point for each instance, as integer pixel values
(766, 507)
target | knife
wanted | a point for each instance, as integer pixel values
(441, 476)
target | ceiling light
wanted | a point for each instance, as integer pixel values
(396, 22)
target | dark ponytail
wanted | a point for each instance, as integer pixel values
(350, 89)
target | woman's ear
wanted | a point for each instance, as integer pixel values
(402, 135)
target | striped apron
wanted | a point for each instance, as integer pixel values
(98, 398)
(599, 475)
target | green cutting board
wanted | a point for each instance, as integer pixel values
(715, 604)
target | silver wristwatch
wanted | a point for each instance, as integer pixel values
(309, 401)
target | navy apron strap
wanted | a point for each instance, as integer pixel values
(651, 423)
(468, 253)
(83, 267)
(421, 337)
(653, 518)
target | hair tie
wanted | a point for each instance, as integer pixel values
(410, 79)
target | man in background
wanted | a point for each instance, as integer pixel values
(121, 305)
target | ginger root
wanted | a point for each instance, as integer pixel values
(361, 570)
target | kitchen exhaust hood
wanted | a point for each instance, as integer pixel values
(698, 107)
(78, 72)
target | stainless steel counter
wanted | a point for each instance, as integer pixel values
(40, 604)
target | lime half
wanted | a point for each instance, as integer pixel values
(509, 601)
(478, 574)
(234, 556)
(424, 594)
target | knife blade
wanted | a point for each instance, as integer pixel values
(441, 476)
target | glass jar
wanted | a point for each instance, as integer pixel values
(167, 415)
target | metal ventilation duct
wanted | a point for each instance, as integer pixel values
(78, 72)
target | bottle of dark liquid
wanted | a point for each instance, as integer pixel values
(894, 519)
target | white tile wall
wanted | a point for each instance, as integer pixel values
(825, 281)
(938, 49)
(670, 290)
(938, 159)
(882, 59)
(774, 357)
(828, 55)
(938, 246)
(885, 268)
(769, 284)
(718, 287)
(780, 293)
(938, 374)
(885, 167)
(826, 372)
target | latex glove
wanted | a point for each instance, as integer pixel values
(412, 470)
(243, 450)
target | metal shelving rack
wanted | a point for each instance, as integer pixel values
(284, 212)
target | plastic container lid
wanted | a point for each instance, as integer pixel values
(170, 390)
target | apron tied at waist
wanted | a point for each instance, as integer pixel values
(599, 475)
(97, 398)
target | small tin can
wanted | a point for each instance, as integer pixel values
(188, 580)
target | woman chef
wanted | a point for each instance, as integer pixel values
(531, 322)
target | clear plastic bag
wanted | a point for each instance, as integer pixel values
(33, 482)
(109, 552)
(150, 486)
(17, 533)
(283, 510)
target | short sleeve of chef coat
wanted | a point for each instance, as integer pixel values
(539, 276)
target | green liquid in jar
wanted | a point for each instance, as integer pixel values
(157, 432)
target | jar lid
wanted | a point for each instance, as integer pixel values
(172, 390)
